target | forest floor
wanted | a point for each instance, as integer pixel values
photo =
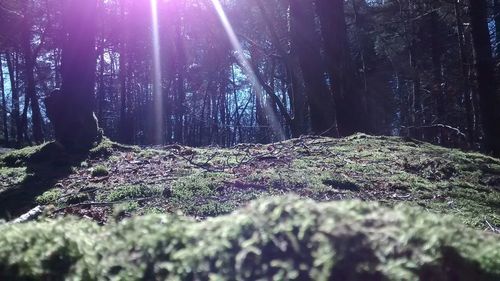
(160, 213)
(115, 181)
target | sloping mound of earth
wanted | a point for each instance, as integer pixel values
(114, 181)
(285, 238)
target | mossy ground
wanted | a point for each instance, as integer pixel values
(203, 182)
(274, 239)
(153, 209)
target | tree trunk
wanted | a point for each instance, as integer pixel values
(464, 64)
(16, 124)
(437, 75)
(125, 131)
(71, 109)
(496, 16)
(488, 96)
(101, 94)
(29, 69)
(294, 83)
(24, 121)
(305, 42)
(351, 108)
(298, 100)
(180, 62)
(4, 104)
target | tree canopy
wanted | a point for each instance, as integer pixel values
(256, 71)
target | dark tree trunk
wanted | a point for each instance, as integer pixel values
(24, 121)
(351, 108)
(437, 74)
(416, 110)
(305, 44)
(29, 69)
(36, 117)
(101, 94)
(298, 100)
(16, 124)
(4, 104)
(488, 96)
(71, 110)
(464, 65)
(180, 62)
(125, 130)
(496, 16)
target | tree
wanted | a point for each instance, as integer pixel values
(487, 86)
(383, 67)
(29, 69)
(305, 44)
(4, 104)
(71, 109)
(465, 75)
(496, 16)
(16, 126)
(350, 104)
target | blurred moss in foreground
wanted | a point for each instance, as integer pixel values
(273, 239)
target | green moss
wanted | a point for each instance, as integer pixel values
(199, 194)
(106, 147)
(132, 192)
(153, 211)
(11, 176)
(408, 182)
(20, 157)
(342, 183)
(149, 153)
(201, 184)
(49, 250)
(272, 239)
(297, 176)
(77, 198)
(212, 181)
(100, 171)
(49, 197)
(127, 207)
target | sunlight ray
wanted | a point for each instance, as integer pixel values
(248, 69)
(157, 89)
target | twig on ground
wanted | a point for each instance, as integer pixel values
(494, 229)
(206, 165)
(30, 215)
(442, 126)
(100, 179)
(104, 204)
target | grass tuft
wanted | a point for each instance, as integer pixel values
(100, 171)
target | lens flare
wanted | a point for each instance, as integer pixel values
(248, 69)
(157, 88)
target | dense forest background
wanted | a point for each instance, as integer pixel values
(425, 69)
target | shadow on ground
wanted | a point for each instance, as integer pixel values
(43, 168)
